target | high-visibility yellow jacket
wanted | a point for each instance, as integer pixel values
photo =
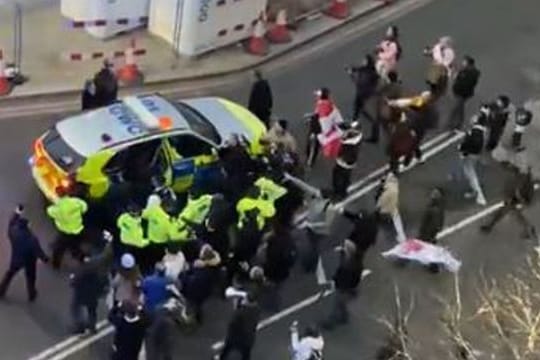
(67, 213)
(197, 210)
(131, 231)
(159, 223)
(264, 209)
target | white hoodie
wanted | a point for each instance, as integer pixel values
(304, 349)
(174, 265)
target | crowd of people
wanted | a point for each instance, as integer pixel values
(158, 263)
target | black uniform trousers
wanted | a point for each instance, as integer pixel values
(63, 243)
(80, 321)
(510, 207)
(29, 266)
(341, 179)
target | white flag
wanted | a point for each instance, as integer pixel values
(425, 253)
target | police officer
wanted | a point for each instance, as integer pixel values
(67, 213)
(132, 237)
(25, 251)
(346, 161)
(157, 227)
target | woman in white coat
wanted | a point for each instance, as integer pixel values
(308, 347)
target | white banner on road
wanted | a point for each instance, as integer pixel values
(424, 253)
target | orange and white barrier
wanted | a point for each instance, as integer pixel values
(279, 33)
(338, 9)
(78, 56)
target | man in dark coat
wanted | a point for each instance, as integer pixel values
(106, 85)
(130, 330)
(279, 260)
(365, 230)
(433, 221)
(242, 330)
(25, 251)
(346, 279)
(463, 89)
(518, 193)
(387, 115)
(88, 283)
(260, 99)
(366, 79)
(88, 96)
(497, 120)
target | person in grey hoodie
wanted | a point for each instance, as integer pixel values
(307, 347)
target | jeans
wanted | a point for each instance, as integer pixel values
(468, 164)
(457, 114)
(77, 312)
(30, 273)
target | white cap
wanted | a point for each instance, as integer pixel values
(153, 200)
(127, 261)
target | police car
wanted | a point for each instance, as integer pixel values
(137, 138)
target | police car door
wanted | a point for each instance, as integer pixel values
(194, 163)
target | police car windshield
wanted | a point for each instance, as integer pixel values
(60, 152)
(198, 123)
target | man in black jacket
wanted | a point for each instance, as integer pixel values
(463, 89)
(242, 329)
(433, 221)
(106, 85)
(469, 151)
(366, 80)
(25, 251)
(518, 193)
(346, 279)
(500, 113)
(130, 330)
(346, 161)
(260, 99)
(88, 283)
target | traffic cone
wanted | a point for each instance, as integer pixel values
(129, 74)
(5, 84)
(257, 44)
(279, 33)
(339, 9)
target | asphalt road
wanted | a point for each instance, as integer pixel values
(500, 34)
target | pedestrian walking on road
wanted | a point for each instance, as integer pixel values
(130, 330)
(365, 230)
(518, 194)
(402, 142)
(470, 150)
(346, 280)
(106, 85)
(88, 284)
(261, 99)
(388, 53)
(510, 147)
(387, 115)
(346, 160)
(433, 221)
(499, 115)
(25, 252)
(388, 205)
(242, 330)
(365, 79)
(463, 88)
(309, 346)
(440, 70)
(67, 212)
